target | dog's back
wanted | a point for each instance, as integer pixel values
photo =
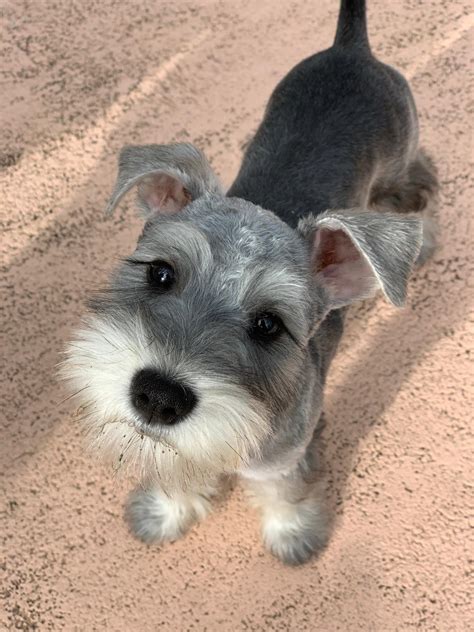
(337, 125)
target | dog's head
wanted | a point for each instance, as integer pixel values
(201, 340)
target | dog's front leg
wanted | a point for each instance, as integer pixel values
(294, 524)
(155, 517)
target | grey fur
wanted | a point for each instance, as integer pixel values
(180, 161)
(386, 242)
(340, 133)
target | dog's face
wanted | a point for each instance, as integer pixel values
(200, 343)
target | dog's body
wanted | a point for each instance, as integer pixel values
(208, 355)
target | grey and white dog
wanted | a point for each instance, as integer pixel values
(207, 354)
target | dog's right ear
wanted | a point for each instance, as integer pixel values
(168, 177)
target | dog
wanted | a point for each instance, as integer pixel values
(207, 355)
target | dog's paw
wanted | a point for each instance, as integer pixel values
(294, 539)
(154, 517)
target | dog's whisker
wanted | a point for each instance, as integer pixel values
(237, 453)
(72, 395)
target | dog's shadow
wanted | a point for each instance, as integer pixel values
(358, 401)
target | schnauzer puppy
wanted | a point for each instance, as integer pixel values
(207, 354)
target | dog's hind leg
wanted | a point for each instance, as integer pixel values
(417, 191)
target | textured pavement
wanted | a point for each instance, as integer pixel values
(79, 80)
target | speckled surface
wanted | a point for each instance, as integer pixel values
(79, 80)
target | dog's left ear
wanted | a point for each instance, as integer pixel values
(168, 177)
(353, 254)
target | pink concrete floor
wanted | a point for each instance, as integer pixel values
(80, 79)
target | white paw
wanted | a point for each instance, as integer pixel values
(154, 517)
(295, 535)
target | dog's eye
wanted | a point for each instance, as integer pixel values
(266, 325)
(161, 276)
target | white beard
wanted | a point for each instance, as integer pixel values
(219, 437)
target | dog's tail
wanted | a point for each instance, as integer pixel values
(352, 25)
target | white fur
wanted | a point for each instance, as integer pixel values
(223, 433)
(155, 517)
(293, 519)
(289, 530)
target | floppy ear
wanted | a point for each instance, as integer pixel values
(168, 177)
(353, 254)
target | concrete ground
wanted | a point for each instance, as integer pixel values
(80, 79)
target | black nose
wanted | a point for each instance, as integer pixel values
(160, 400)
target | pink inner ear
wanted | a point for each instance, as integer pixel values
(333, 247)
(340, 268)
(163, 193)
